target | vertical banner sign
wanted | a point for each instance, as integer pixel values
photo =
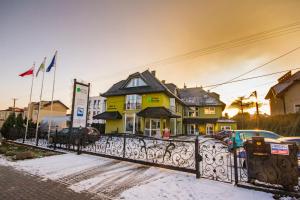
(80, 104)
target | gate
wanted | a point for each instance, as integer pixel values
(216, 161)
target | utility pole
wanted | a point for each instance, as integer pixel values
(242, 110)
(14, 104)
(257, 110)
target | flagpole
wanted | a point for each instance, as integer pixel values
(40, 104)
(29, 104)
(53, 87)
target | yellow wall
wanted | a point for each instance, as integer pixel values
(217, 114)
(155, 100)
(115, 103)
(114, 125)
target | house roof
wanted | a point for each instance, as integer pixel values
(108, 115)
(199, 120)
(282, 86)
(188, 96)
(16, 109)
(157, 112)
(199, 97)
(47, 103)
(153, 85)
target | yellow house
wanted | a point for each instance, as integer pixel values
(203, 112)
(142, 104)
(59, 110)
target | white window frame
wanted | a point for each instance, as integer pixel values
(175, 125)
(207, 128)
(173, 104)
(150, 128)
(133, 102)
(225, 128)
(192, 112)
(125, 121)
(209, 110)
(136, 82)
(297, 106)
(191, 127)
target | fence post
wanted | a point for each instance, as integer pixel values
(37, 138)
(236, 175)
(124, 145)
(197, 157)
(79, 143)
(55, 138)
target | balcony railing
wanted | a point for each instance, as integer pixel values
(132, 106)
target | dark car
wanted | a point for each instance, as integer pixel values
(222, 135)
(75, 135)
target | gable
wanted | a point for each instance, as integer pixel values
(135, 82)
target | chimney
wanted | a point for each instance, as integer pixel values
(184, 86)
(153, 72)
(163, 81)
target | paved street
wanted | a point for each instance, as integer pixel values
(21, 186)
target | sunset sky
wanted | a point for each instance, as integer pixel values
(102, 42)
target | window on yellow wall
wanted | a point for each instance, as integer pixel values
(209, 110)
(133, 101)
(172, 104)
(225, 128)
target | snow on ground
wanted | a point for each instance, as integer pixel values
(179, 186)
(114, 179)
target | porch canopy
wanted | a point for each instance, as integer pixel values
(199, 120)
(108, 115)
(157, 112)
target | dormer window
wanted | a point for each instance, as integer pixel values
(136, 82)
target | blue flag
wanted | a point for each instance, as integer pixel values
(53, 63)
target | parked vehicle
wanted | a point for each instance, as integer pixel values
(222, 135)
(243, 135)
(71, 136)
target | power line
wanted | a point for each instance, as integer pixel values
(242, 41)
(254, 77)
(221, 47)
(260, 66)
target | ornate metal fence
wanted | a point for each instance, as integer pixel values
(206, 157)
(175, 154)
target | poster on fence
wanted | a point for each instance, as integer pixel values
(80, 104)
(280, 149)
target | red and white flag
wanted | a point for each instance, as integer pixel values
(28, 72)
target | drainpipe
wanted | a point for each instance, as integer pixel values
(284, 108)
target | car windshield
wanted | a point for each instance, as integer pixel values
(247, 135)
(269, 135)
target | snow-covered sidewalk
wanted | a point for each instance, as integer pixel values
(123, 180)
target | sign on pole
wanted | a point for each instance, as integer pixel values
(280, 149)
(80, 104)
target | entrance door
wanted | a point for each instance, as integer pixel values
(152, 127)
(209, 129)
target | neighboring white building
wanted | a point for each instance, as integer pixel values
(97, 105)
